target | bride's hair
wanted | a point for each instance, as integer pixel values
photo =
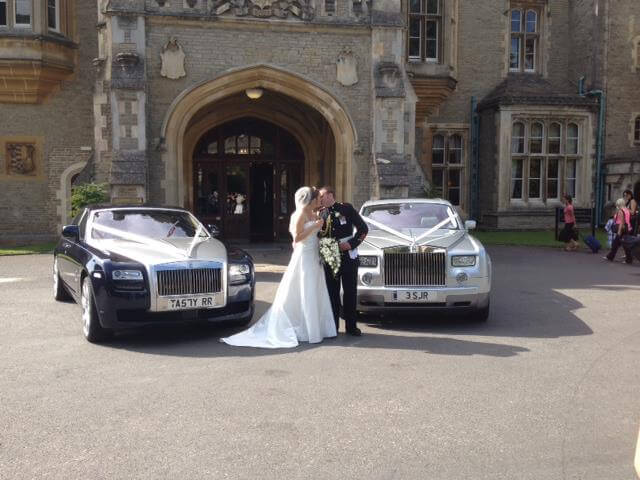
(304, 196)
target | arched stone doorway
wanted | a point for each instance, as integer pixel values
(318, 122)
(244, 175)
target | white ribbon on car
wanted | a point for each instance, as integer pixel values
(195, 241)
(411, 239)
(147, 241)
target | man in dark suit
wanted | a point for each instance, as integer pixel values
(341, 219)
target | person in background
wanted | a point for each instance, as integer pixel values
(632, 206)
(610, 229)
(622, 227)
(569, 235)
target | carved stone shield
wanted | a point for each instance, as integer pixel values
(347, 68)
(21, 158)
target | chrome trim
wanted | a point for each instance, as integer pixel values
(422, 268)
(191, 279)
(187, 279)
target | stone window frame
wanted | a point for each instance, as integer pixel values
(448, 132)
(330, 7)
(540, 7)
(568, 164)
(634, 127)
(31, 14)
(424, 18)
(635, 54)
(39, 21)
(5, 10)
(56, 7)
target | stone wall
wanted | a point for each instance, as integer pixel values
(482, 54)
(623, 100)
(311, 54)
(586, 42)
(63, 126)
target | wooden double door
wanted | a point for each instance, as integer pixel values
(250, 201)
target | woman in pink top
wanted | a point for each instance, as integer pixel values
(569, 235)
(622, 227)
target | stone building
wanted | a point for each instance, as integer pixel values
(227, 106)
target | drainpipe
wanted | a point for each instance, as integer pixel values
(599, 147)
(475, 161)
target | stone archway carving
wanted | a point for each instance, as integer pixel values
(64, 193)
(191, 101)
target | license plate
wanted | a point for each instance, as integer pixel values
(191, 303)
(415, 296)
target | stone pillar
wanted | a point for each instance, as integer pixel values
(119, 107)
(394, 107)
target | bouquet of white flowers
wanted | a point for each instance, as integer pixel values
(330, 254)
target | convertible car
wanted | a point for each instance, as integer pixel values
(419, 257)
(134, 266)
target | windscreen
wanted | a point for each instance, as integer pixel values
(158, 224)
(400, 216)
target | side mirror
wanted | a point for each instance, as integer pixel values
(213, 230)
(72, 232)
(470, 225)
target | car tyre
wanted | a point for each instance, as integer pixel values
(59, 292)
(482, 314)
(93, 331)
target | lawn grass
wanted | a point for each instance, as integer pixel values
(28, 249)
(536, 238)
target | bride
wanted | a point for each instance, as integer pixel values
(301, 310)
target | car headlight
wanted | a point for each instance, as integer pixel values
(131, 275)
(463, 261)
(239, 273)
(369, 261)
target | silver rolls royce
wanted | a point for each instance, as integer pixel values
(419, 257)
(133, 266)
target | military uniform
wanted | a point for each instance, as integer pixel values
(341, 219)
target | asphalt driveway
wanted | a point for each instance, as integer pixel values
(548, 388)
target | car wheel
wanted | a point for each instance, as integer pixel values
(91, 327)
(59, 292)
(482, 314)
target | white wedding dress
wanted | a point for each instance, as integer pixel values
(301, 309)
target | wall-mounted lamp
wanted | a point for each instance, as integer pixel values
(254, 93)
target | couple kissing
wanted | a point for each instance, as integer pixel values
(306, 307)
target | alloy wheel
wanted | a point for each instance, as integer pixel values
(86, 308)
(56, 279)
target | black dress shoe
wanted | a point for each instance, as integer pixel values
(355, 331)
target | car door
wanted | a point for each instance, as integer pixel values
(70, 259)
(65, 268)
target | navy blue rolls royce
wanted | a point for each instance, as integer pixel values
(134, 266)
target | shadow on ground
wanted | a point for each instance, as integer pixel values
(531, 299)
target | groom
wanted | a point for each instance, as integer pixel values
(340, 221)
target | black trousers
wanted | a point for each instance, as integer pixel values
(348, 276)
(615, 245)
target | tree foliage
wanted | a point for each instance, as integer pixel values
(88, 194)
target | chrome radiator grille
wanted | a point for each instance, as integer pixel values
(189, 281)
(414, 269)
